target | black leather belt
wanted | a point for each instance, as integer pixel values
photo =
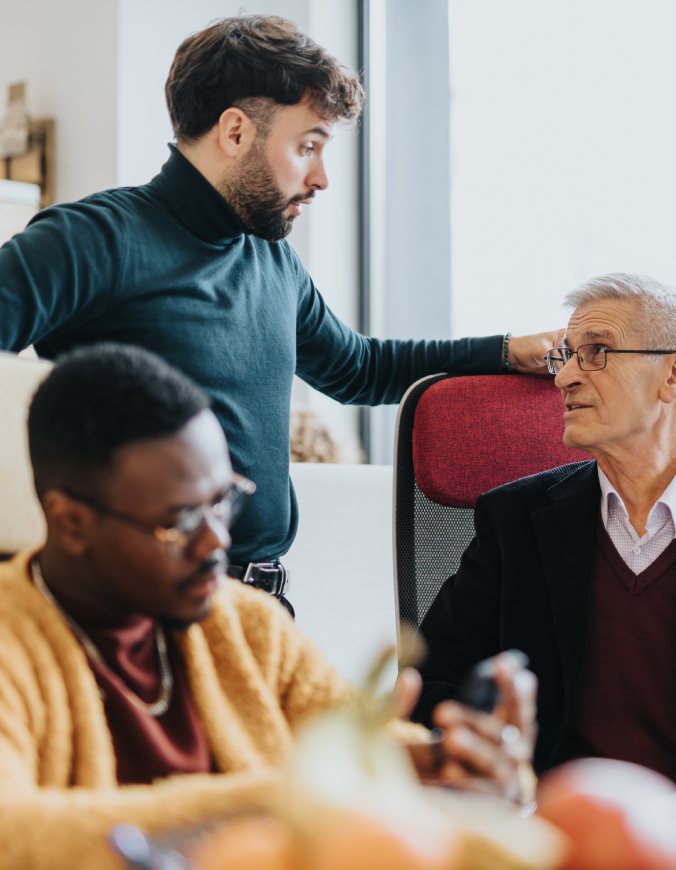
(272, 577)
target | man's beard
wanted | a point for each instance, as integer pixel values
(256, 199)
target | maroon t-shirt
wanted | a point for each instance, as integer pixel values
(146, 747)
(627, 703)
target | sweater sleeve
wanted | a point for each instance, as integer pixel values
(49, 829)
(358, 369)
(58, 273)
(303, 682)
(307, 684)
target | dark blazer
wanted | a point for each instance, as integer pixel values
(523, 583)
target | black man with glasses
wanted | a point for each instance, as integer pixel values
(137, 682)
(577, 565)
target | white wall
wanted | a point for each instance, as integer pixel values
(332, 254)
(67, 52)
(563, 129)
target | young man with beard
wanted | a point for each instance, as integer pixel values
(136, 683)
(194, 266)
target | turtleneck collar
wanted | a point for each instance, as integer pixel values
(194, 201)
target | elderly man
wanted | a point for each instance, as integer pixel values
(577, 565)
(136, 685)
(195, 265)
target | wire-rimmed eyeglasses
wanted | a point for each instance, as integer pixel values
(590, 357)
(190, 521)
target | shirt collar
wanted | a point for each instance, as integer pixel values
(611, 497)
(194, 201)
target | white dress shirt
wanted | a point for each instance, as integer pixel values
(638, 552)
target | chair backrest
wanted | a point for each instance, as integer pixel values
(21, 520)
(457, 437)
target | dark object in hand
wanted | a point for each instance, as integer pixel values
(479, 689)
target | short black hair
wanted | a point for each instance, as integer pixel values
(247, 60)
(98, 399)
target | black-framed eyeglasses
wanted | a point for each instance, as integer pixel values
(191, 520)
(590, 357)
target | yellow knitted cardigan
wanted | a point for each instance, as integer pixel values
(253, 677)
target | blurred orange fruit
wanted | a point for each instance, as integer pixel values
(247, 842)
(357, 842)
(619, 816)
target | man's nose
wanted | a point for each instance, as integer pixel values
(569, 374)
(317, 177)
(214, 535)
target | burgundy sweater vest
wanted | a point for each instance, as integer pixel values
(627, 703)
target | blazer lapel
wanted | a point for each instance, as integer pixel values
(566, 535)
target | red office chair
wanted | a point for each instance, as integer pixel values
(455, 438)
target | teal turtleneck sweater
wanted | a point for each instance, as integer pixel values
(168, 266)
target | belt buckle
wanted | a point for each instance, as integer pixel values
(277, 581)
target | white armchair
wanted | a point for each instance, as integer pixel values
(341, 562)
(21, 522)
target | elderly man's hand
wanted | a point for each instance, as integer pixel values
(527, 352)
(485, 752)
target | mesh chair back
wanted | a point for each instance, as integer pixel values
(456, 437)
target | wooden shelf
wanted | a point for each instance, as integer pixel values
(37, 165)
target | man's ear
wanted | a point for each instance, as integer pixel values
(668, 389)
(68, 521)
(236, 133)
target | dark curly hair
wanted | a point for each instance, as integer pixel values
(255, 62)
(98, 399)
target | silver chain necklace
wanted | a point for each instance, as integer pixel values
(157, 708)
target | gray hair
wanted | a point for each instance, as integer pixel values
(656, 303)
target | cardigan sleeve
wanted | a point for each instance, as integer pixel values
(309, 684)
(49, 829)
(301, 679)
